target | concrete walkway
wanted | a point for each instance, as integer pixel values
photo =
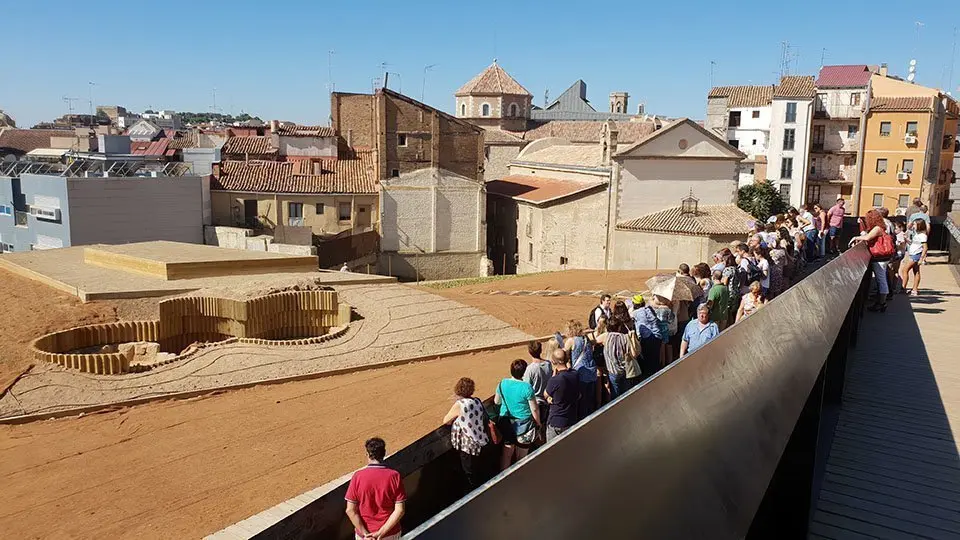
(893, 470)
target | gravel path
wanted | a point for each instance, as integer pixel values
(398, 322)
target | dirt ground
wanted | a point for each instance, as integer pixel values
(183, 469)
(543, 315)
(32, 309)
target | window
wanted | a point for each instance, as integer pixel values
(785, 193)
(789, 138)
(877, 200)
(786, 167)
(820, 105)
(734, 143)
(907, 166)
(295, 210)
(514, 109)
(734, 119)
(911, 128)
(852, 131)
(401, 139)
(755, 114)
(882, 165)
(754, 142)
(344, 211)
(813, 193)
(463, 109)
(530, 251)
(903, 201)
(855, 98)
(319, 208)
(5, 210)
(485, 109)
(486, 152)
(819, 134)
(395, 173)
(813, 166)
(619, 107)
(791, 116)
(885, 129)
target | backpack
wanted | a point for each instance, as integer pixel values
(592, 319)
(751, 274)
(882, 248)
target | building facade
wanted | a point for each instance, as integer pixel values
(494, 99)
(742, 114)
(789, 149)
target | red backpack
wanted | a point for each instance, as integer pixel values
(882, 247)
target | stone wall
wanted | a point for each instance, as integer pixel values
(431, 266)
(636, 250)
(56, 347)
(240, 238)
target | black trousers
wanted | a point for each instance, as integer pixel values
(472, 470)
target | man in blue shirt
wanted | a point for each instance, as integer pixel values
(650, 336)
(697, 333)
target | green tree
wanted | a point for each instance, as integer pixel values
(760, 200)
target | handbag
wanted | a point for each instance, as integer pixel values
(882, 247)
(526, 436)
(491, 427)
(631, 366)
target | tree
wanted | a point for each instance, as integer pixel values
(760, 200)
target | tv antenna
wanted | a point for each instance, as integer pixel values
(546, 98)
(330, 84)
(912, 70)
(69, 101)
(423, 88)
(90, 86)
(713, 65)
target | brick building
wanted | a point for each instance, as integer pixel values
(429, 165)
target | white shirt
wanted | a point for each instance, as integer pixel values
(809, 217)
(764, 266)
(916, 245)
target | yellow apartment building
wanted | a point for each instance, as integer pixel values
(909, 136)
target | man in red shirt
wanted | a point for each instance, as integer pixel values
(835, 225)
(375, 497)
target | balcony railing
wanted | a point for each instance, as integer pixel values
(21, 218)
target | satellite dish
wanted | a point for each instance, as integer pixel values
(912, 69)
(911, 76)
(913, 62)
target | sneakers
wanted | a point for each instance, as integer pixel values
(914, 293)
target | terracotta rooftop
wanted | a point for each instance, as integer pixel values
(184, 140)
(588, 131)
(493, 80)
(499, 136)
(713, 219)
(305, 131)
(912, 103)
(537, 189)
(337, 176)
(743, 96)
(26, 140)
(159, 147)
(849, 76)
(798, 86)
(252, 145)
(580, 155)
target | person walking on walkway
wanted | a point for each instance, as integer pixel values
(468, 430)
(375, 496)
(563, 393)
(881, 251)
(916, 256)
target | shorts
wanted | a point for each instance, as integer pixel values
(833, 232)
(916, 258)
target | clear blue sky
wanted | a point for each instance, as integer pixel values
(271, 58)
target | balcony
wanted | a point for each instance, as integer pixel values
(21, 218)
(844, 174)
(836, 144)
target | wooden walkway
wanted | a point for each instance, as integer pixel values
(893, 470)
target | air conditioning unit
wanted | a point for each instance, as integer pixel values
(910, 139)
(52, 214)
(903, 176)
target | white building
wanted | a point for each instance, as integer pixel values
(789, 149)
(742, 115)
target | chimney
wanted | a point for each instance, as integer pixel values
(350, 138)
(608, 141)
(883, 69)
(316, 168)
(274, 126)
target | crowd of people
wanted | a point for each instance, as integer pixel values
(627, 340)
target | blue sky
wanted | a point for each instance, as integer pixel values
(271, 58)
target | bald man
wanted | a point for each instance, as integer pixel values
(563, 392)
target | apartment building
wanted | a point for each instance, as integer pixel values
(835, 133)
(742, 115)
(789, 149)
(909, 138)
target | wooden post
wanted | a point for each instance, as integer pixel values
(504, 264)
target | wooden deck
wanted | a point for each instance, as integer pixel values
(893, 469)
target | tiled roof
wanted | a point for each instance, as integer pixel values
(500, 136)
(911, 103)
(305, 131)
(338, 176)
(537, 189)
(743, 96)
(581, 155)
(713, 219)
(493, 80)
(185, 140)
(252, 145)
(589, 131)
(851, 76)
(150, 148)
(798, 86)
(26, 140)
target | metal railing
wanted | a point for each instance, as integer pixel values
(22, 218)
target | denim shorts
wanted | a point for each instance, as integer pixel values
(916, 258)
(833, 232)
